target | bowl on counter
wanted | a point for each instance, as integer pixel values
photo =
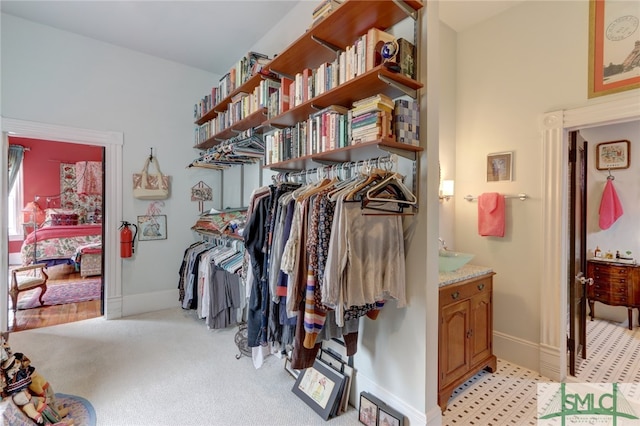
(449, 261)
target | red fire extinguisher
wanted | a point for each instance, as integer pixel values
(127, 239)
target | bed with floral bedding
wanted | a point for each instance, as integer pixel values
(58, 244)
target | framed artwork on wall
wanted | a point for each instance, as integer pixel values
(612, 155)
(152, 228)
(614, 57)
(500, 166)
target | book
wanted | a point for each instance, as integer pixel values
(406, 58)
(375, 40)
(285, 100)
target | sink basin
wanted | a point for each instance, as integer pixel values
(451, 260)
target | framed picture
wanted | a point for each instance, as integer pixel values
(368, 413)
(499, 166)
(287, 366)
(612, 155)
(152, 228)
(389, 417)
(321, 388)
(613, 32)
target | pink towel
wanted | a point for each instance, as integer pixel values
(610, 207)
(491, 222)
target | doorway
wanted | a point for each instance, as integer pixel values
(61, 185)
(112, 143)
(556, 127)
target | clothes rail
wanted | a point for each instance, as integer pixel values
(388, 163)
(521, 196)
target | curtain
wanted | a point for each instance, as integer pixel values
(89, 177)
(16, 153)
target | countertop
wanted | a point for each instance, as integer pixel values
(466, 272)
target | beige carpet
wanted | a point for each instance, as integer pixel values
(165, 368)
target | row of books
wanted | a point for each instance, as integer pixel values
(323, 10)
(364, 55)
(241, 106)
(373, 118)
(243, 70)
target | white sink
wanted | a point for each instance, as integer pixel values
(451, 260)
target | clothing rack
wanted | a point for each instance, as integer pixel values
(337, 170)
(521, 196)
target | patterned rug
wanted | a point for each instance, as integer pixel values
(81, 412)
(59, 294)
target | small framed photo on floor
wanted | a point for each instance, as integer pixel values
(389, 417)
(321, 388)
(368, 413)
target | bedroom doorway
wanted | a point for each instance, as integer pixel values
(112, 142)
(61, 226)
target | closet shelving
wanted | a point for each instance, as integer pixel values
(317, 45)
(321, 44)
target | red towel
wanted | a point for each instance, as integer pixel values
(491, 222)
(610, 206)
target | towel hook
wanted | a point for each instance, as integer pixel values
(610, 177)
(151, 155)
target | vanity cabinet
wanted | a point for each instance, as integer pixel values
(614, 284)
(465, 333)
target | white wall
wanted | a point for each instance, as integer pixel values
(56, 77)
(511, 69)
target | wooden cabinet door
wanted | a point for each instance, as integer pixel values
(454, 343)
(481, 327)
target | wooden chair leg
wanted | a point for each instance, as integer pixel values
(43, 289)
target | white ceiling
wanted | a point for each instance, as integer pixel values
(197, 33)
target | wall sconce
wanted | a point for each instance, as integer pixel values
(446, 190)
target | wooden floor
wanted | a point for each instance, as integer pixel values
(45, 316)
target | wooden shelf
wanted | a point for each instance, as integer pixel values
(253, 120)
(218, 234)
(357, 152)
(341, 28)
(247, 87)
(367, 84)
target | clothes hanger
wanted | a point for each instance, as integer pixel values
(395, 180)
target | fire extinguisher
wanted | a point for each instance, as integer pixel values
(127, 239)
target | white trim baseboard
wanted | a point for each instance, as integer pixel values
(415, 417)
(149, 302)
(515, 350)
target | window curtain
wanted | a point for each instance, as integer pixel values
(16, 153)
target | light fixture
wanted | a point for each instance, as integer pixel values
(446, 190)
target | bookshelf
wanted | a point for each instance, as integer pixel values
(321, 44)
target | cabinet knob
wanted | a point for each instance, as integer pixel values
(455, 295)
(469, 334)
(480, 287)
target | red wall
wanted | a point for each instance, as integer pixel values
(41, 168)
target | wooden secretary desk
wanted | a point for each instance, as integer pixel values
(615, 284)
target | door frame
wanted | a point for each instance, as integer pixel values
(112, 143)
(556, 126)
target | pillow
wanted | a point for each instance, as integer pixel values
(55, 217)
(64, 219)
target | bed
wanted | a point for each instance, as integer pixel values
(56, 245)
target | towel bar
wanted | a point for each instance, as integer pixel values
(521, 196)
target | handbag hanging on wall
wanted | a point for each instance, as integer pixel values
(151, 186)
